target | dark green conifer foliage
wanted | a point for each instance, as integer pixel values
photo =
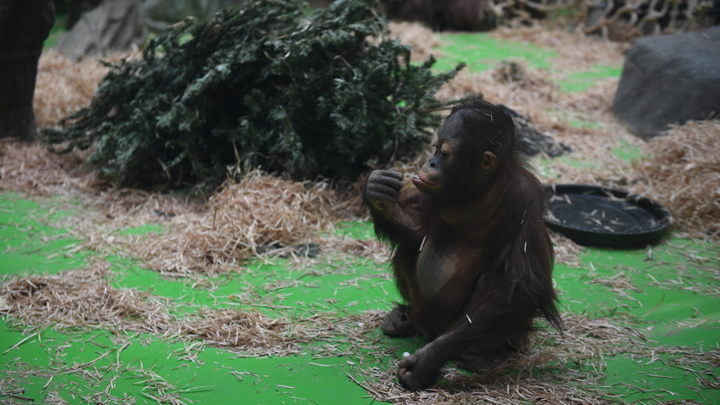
(267, 85)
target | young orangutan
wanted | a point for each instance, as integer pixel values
(472, 257)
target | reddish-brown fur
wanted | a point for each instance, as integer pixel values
(467, 15)
(472, 258)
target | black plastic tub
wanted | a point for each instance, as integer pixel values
(599, 216)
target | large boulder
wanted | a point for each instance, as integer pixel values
(669, 79)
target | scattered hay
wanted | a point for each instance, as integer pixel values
(195, 245)
(682, 172)
(261, 212)
(85, 299)
(254, 334)
(619, 283)
(233, 328)
(82, 298)
(511, 82)
(34, 170)
(701, 364)
(556, 369)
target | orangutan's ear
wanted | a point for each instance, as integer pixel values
(489, 161)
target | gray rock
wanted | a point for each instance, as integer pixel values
(669, 79)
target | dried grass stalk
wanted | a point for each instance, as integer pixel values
(252, 222)
(238, 329)
(261, 211)
(567, 252)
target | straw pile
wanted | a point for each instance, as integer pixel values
(258, 214)
(199, 242)
(682, 172)
(64, 86)
(554, 370)
(254, 334)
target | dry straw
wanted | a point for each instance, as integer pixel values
(261, 212)
(554, 370)
(683, 173)
(33, 170)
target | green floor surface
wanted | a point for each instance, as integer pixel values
(669, 294)
(146, 369)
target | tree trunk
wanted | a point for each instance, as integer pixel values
(24, 26)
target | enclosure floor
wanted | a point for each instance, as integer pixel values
(670, 295)
(88, 361)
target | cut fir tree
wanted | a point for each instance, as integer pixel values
(313, 95)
